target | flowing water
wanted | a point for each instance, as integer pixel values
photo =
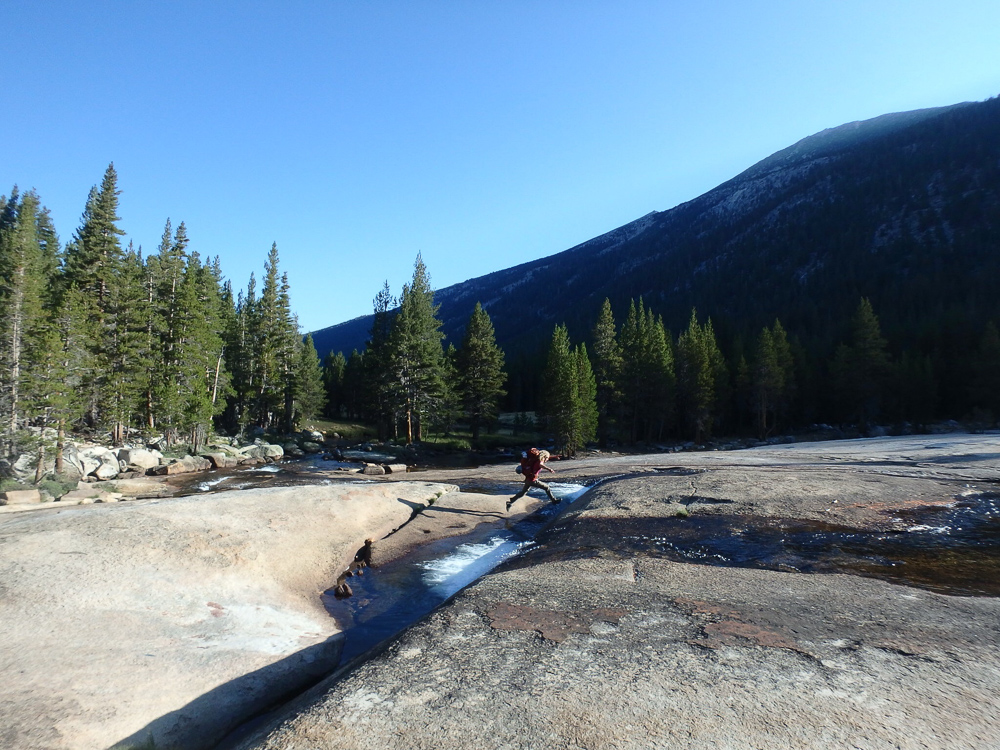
(393, 596)
(953, 549)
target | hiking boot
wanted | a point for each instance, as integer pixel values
(510, 503)
(554, 500)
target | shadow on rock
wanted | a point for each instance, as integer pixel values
(205, 721)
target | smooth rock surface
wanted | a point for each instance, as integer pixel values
(174, 618)
(20, 497)
(580, 646)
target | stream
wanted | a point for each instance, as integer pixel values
(952, 549)
(391, 597)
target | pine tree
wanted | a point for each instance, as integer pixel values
(607, 373)
(448, 408)
(201, 349)
(334, 365)
(860, 369)
(124, 354)
(915, 390)
(634, 376)
(561, 384)
(586, 400)
(310, 395)
(481, 373)
(166, 393)
(701, 377)
(92, 257)
(354, 385)
(661, 377)
(984, 389)
(417, 353)
(22, 294)
(271, 336)
(378, 387)
(91, 264)
(29, 251)
(648, 377)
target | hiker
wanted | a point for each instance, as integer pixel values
(532, 463)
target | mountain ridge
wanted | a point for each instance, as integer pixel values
(855, 210)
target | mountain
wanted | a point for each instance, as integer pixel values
(903, 209)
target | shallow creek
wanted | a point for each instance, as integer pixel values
(952, 549)
(390, 597)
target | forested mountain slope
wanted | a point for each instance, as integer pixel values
(903, 209)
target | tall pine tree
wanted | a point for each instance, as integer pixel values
(481, 373)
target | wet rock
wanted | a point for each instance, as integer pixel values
(311, 447)
(373, 470)
(343, 591)
(293, 450)
(394, 468)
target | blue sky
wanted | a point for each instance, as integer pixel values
(482, 134)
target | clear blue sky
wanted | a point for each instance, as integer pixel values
(481, 133)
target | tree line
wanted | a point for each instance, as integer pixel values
(638, 383)
(96, 336)
(642, 385)
(406, 381)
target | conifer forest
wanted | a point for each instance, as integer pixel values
(101, 339)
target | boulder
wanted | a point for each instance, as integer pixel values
(22, 497)
(273, 452)
(293, 450)
(186, 465)
(373, 470)
(251, 461)
(251, 451)
(395, 468)
(196, 463)
(24, 466)
(72, 465)
(141, 458)
(108, 468)
(220, 460)
(310, 447)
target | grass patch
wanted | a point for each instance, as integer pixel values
(353, 432)
(12, 485)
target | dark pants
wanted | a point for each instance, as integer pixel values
(537, 484)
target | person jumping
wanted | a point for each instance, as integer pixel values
(532, 463)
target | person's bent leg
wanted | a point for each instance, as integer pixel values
(519, 495)
(542, 486)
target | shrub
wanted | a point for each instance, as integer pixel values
(56, 487)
